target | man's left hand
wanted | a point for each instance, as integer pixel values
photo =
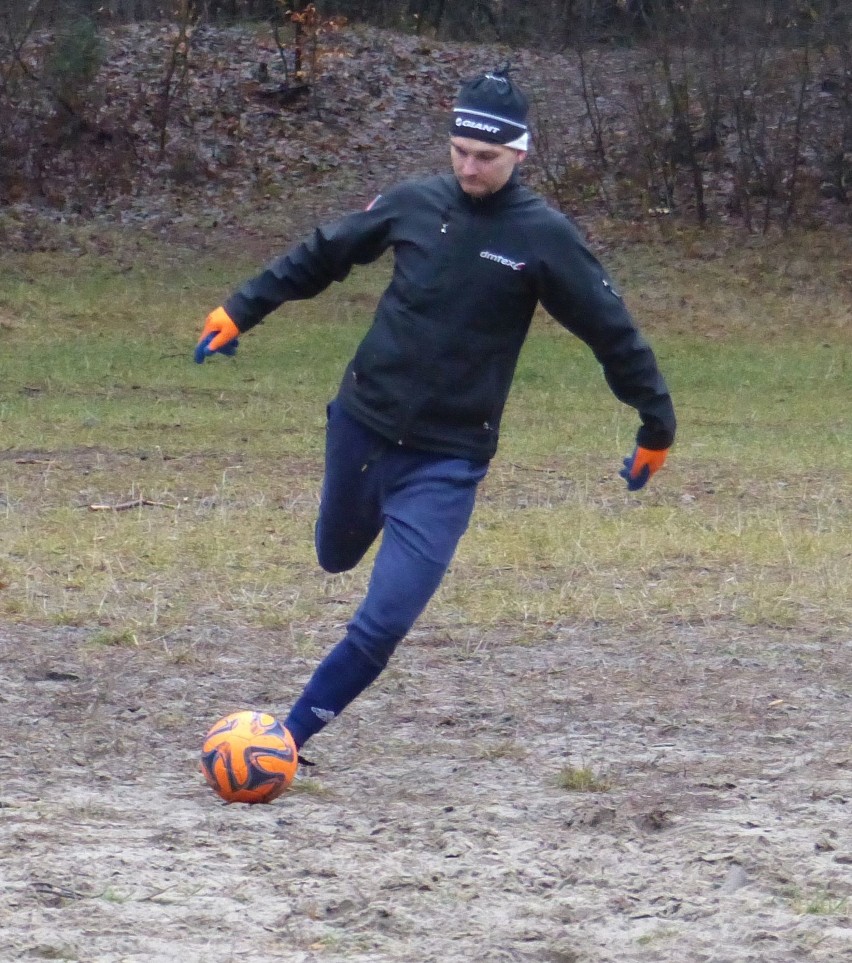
(639, 467)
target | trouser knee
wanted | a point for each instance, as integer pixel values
(334, 561)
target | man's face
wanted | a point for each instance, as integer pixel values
(482, 168)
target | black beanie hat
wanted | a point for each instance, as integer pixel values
(490, 107)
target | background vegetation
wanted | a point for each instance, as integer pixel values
(735, 110)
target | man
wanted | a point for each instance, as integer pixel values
(417, 415)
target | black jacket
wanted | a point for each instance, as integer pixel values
(435, 368)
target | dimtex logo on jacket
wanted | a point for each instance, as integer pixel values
(506, 262)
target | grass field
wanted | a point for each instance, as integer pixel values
(101, 404)
(619, 734)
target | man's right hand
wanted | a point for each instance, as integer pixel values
(219, 335)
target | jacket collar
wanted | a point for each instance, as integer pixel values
(492, 202)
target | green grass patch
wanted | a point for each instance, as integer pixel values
(817, 903)
(581, 779)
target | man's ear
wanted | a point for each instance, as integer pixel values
(522, 156)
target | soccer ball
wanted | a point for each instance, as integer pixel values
(249, 757)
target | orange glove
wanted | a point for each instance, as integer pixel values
(639, 467)
(219, 334)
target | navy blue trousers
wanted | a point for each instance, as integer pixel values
(420, 503)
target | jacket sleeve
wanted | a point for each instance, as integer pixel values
(577, 291)
(309, 268)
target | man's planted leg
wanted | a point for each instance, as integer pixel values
(426, 516)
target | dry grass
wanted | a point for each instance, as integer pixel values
(101, 405)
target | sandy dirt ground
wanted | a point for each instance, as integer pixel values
(434, 826)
